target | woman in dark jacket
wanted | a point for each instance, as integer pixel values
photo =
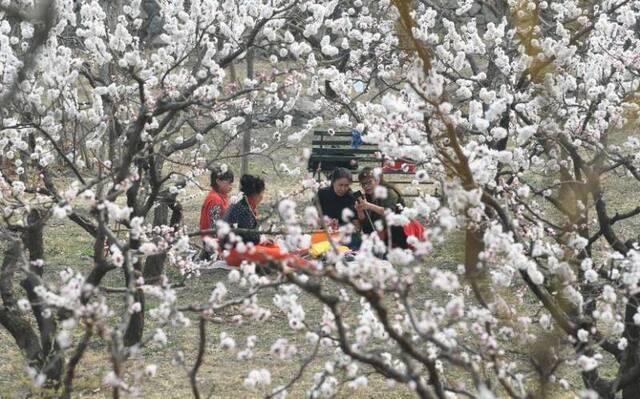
(244, 215)
(335, 198)
(337, 204)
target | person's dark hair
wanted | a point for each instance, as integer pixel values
(217, 173)
(250, 184)
(340, 173)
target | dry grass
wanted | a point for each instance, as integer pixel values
(221, 375)
(220, 371)
(66, 245)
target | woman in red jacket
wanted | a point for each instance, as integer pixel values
(217, 201)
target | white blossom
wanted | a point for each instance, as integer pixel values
(150, 370)
(587, 363)
(257, 378)
(226, 342)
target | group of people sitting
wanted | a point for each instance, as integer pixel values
(337, 203)
(366, 210)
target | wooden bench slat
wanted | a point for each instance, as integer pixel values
(344, 151)
(397, 172)
(327, 153)
(335, 134)
(323, 142)
(407, 183)
(342, 158)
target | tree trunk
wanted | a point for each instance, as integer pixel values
(133, 335)
(154, 265)
(9, 267)
(33, 240)
(630, 356)
(246, 137)
(19, 328)
(153, 269)
(476, 276)
(232, 73)
(105, 76)
(26, 339)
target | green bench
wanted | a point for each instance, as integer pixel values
(332, 149)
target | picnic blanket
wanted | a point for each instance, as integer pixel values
(320, 244)
(265, 253)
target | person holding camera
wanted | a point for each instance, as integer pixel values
(371, 208)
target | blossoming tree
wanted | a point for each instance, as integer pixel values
(105, 127)
(520, 110)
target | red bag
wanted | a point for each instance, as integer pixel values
(415, 229)
(399, 165)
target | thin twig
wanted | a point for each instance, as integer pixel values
(201, 348)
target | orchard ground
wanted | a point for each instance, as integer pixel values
(221, 375)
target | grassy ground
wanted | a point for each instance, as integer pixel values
(69, 246)
(221, 375)
(66, 245)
